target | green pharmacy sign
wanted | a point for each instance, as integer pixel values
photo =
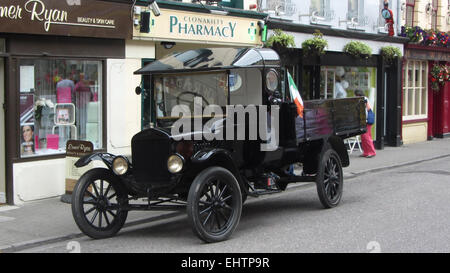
(202, 26)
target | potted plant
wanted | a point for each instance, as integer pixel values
(389, 53)
(358, 49)
(315, 46)
(280, 41)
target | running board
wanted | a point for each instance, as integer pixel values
(259, 192)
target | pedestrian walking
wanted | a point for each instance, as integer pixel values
(366, 138)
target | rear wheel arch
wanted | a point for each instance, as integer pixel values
(338, 145)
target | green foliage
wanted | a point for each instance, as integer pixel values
(315, 46)
(358, 49)
(280, 39)
(390, 52)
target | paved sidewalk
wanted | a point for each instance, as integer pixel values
(50, 220)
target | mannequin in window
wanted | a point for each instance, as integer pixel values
(64, 90)
(388, 16)
(339, 88)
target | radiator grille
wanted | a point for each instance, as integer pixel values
(150, 160)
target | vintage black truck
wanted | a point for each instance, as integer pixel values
(209, 172)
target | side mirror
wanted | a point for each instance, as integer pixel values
(138, 90)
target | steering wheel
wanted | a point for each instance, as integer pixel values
(192, 100)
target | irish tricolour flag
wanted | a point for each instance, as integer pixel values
(295, 95)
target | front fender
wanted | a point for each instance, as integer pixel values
(207, 155)
(216, 157)
(107, 158)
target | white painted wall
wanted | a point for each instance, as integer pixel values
(123, 105)
(338, 43)
(38, 179)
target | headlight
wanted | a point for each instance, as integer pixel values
(175, 163)
(272, 80)
(120, 165)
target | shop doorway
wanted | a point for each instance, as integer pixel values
(2, 134)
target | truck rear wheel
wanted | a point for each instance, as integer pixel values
(214, 204)
(330, 179)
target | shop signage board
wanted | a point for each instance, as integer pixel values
(83, 18)
(173, 25)
(75, 149)
(427, 53)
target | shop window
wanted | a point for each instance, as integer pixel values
(321, 8)
(415, 103)
(434, 9)
(59, 100)
(356, 11)
(410, 4)
(327, 82)
(342, 81)
(336, 82)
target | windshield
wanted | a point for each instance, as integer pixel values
(181, 89)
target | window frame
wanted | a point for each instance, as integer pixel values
(359, 10)
(434, 14)
(406, 89)
(18, 128)
(326, 12)
(413, 6)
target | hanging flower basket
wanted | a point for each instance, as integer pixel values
(439, 76)
(280, 41)
(358, 50)
(315, 46)
(389, 53)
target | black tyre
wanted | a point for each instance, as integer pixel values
(214, 204)
(330, 179)
(97, 202)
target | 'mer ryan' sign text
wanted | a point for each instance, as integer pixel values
(37, 11)
(66, 17)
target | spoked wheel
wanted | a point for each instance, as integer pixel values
(214, 204)
(330, 180)
(97, 202)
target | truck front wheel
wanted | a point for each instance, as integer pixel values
(97, 202)
(214, 204)
(330, 179)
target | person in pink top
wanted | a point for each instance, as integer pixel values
(366, 138)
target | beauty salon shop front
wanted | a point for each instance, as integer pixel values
(54, 75)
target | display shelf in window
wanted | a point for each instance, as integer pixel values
(64, 114)
(358, 80)
(64, 123)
